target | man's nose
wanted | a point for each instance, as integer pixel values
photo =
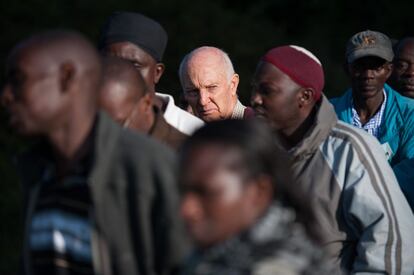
(368, 73)
(204, 98)
(256, 99)
(190, 208)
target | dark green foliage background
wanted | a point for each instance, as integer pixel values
(244, 29)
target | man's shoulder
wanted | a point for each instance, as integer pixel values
(176, 137)
(168, 133)
(134, 143)
(125, 143)
(342, 101)
(405, 104)
(356, 145)
(248, 113)
(353, 135)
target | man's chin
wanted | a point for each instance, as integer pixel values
(210, 117)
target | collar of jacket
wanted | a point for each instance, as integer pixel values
(31, 164)
(325, 120)
(392, 121)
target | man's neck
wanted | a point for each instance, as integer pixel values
(368, 107)
(293, 136)
(67, 142)
(233, 106)
(159, 103)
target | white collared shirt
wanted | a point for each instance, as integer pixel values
(177, 117)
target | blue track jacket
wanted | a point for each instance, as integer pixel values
(396, 134)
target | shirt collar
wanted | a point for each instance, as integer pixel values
(373, 124)
(238, 111)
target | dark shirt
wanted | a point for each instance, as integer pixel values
(60, 235)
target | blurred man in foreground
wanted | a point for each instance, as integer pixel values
(98, 199)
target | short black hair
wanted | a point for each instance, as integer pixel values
(261, 155)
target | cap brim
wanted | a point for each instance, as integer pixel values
(377, 52)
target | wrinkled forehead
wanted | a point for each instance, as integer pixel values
(200, 63)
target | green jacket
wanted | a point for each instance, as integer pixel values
(135, 202)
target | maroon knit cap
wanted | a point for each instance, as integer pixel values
(300, 65)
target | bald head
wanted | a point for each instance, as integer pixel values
(207, 55)
(51, 78)
(124, 94)
(122, 72)
(209, 83)
(65, 52)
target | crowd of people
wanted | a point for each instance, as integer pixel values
(121, 180)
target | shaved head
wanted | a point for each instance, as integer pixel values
(208, 54)
(52, 80)
(117, 71)
(124, 94)
(67, 52)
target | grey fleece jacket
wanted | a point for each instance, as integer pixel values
(365, 218)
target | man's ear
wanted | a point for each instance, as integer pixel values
(306, 96)
(159, 70)
(234, 83)
(147, 102)
(264, 190)
(66, 76)
(389, 67)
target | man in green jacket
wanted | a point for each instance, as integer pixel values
(98, 199)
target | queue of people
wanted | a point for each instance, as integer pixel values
(120, 180)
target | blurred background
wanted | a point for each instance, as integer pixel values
(244, 29)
